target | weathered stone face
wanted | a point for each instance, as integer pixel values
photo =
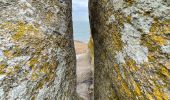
(132, 46)
(37, 57)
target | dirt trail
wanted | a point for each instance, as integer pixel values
(84, 77)
(84, 71)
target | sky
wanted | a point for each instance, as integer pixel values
(81, 20)
(80, 10)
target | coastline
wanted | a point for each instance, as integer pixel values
(80, 47)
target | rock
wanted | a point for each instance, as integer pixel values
(37, 57)
(131, 40)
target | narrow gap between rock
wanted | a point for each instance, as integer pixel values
(83, 49)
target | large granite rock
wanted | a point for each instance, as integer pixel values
(132, 49)
(37, 57)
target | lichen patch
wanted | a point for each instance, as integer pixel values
(1, 92)
(133, 49)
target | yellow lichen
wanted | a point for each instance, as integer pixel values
(126, 89)
(131, 65)
(151, 57)
(149, 96)
(159, 39)
(33, 62)
(16, 68)
(8, 26)
(91, 49)
(129, 19)
(157, 94)
(119, 77)
(160, 27)
(151, 44)
(35, 76)
(49, 15)
(136, 88)
(17, 51)
(45, 68)
(10, 71)
(130, 2)
(166, 27)
(165, 72)
(8, 53)
(21, 31)
(116, 31)
(2, 68)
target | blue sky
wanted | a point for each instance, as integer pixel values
(81, 20)
(80, 10)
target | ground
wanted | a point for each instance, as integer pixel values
(84, 71)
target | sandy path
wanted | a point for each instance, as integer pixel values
(84, 76)
(84, 71)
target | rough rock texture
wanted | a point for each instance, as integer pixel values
(37, 57)
(131, 49)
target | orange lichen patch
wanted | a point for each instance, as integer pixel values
(159, 39)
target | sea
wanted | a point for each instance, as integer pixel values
(81, 20)
(81, 31)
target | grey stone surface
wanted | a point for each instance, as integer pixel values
(37, 57)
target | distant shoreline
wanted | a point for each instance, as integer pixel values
(80, 47)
